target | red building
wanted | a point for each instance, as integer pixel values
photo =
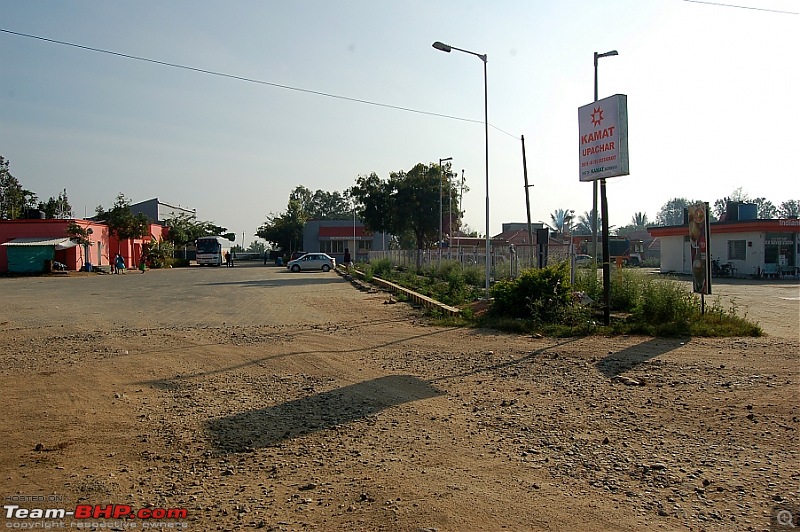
(26, 246)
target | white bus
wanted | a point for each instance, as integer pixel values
(211, 250)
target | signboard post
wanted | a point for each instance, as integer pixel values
(603, 152)
(699, 239)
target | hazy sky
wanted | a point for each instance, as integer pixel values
(712, 100)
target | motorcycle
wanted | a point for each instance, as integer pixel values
(721, 270)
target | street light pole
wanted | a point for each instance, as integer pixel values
(604, 207)
(594, 183)
(483, 57)
(441, 175)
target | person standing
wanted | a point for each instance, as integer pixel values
(347, 258)
(228, 261)
(119, 264)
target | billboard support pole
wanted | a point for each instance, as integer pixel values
(606, 258)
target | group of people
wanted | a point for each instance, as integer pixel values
(120, 267)
(228, 259)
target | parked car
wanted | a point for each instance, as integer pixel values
(312, 261)
(297, 254)
(582, 260)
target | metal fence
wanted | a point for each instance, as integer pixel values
(506, 260)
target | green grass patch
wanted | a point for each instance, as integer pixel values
(543, 301)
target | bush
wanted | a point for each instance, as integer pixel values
(626, 287)
(160, 254)
(381, 268)
(474, 276)
(542, 294)
(589, 282)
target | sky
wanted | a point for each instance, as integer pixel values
(712, 95)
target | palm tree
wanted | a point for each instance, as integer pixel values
(562, 220)
(639, 220)
(584, 225)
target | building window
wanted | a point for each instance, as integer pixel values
(364, 246)
(778, 249)
(737, 250)
(332, 246)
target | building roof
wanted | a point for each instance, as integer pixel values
(59, 242)
(791, 225)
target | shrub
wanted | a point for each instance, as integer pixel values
(159, 255)
(381, 268)
(663, 301)
(474, 276)
(625, 289)
(541, 293)
(589, 282)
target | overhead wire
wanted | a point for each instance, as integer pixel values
(252, 80)
(720, 4)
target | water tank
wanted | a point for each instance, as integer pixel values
(748, 211)
(732, 211)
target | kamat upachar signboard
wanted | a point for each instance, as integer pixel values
(603, 129)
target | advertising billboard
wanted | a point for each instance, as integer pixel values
(699, 236)
(603, 142)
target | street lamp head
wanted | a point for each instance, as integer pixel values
(442, 46)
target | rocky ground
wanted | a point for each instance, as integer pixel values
(301, 403)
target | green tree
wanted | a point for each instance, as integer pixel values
(57, 208)
(78, 234)
(562, 220)
(764, 208)
(671, 212)
(584, 224)
(407, 203)
(416, 203)
(257, 247)
(122, 222)
(285, 230)
(184, 229)
(13, 198)
(789, 209)
(376, 200)
(639, 220)
(720, 207)
(322, 205)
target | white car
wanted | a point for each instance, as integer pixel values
(583, 260)
(312, 261)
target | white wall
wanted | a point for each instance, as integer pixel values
(672, 253)
(676, 255)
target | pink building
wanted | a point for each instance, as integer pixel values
(27, 245)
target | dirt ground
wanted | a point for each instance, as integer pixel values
(256, 398)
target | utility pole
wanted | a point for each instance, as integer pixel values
(527, 195)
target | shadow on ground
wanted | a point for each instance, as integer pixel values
(618, 363)
(269, 426)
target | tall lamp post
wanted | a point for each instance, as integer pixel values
(447, 48)
(441, 175)
(594, 183)
(604, 208)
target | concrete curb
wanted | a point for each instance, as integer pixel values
(420, 299)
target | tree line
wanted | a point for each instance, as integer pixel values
(671, 213)
(406, 205)
(16, 202)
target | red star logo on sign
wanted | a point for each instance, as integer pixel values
(597, 116)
